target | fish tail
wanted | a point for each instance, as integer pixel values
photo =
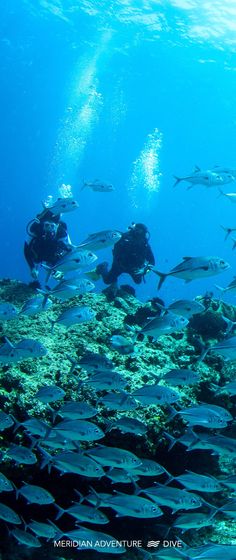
(227, 230)
(177, 180)
(60, 511)
(162, 277)
(234, 243)
(221, 193)
(84, 185)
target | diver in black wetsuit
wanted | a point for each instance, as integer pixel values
(132, 254)
(49, 241)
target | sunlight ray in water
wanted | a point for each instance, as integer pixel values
(146, 175)
(81, 115)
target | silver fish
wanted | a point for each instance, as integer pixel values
(80, 430)
(77, 410)
(30, 348)
(26, 538)
(98, 186)
(128, 425)
(7, 311)
(43, 529)
(122, 344)
(49, 393)
(84, 513)
(149, 467)
(6, 421)
(225, 348)
(155, 394)
(21, 455)
(74, 316)
(5, 484)
(114, 457)
(194, 520)
(199, 482)
(192, 268)
(79, 464)
(35, 305)
(9, 515)
(132, 506)
(181, 377)
(230, 288)
(62, 205)
(167, 324)
(186, 307)
(230, 196)
(204, 415)
(207, 177)
(35, 494)
(73, 260)
(92, 362)
(100, 240)
(118, 401)
(173, 498)
(106, 380)
(121, 476)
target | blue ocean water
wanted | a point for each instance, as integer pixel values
(130, 92)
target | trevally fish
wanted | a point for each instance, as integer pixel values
(118, 401)
(9, 515)
(229, 388)
(35, 494)
(98, 186)
(114, 457)
(7, 311)
(128, 425)
(132, 506)
(49, 393)
(215, 552)
(35, 305)
(26, 538)
(43, 529)
(100, 240)
(80, 430)
(155, 394)
(198, 482)
(69, 288)
(228, 231)
(6, 421)
(174, 498)
(181, 377)
(5, 484)
(227, 170)
(189, 520)
(230, 288)
(62, 205)
(122, 344)
(149, 467)
(230, 196)
(167, 324)
(73, 260)
(84, 513)
(75, 410)
(186, 307)
(120, 476)
(207, 177)
(205, 415)
(33, 426)
(225, 348)
(21, 454)
(106, 380)
(230, 481)
(72, 462)
(92, 362)
(74, 316)
(192, 268)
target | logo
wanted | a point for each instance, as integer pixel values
(154, 544)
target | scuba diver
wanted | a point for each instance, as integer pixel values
(49, 240)
(132, 254)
